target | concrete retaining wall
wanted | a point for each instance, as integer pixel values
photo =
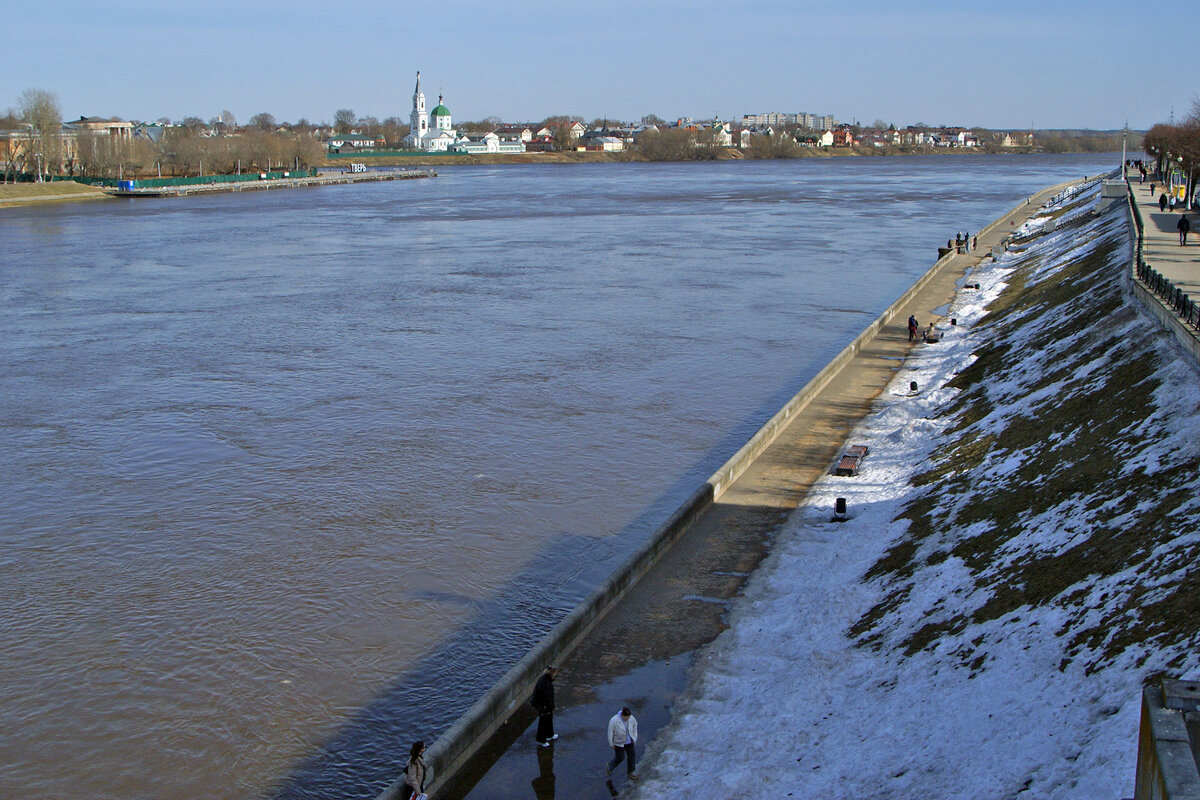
(461, 741)
(1166, 761)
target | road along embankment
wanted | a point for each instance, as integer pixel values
(630, 618)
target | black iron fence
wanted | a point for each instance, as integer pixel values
(1172, 295)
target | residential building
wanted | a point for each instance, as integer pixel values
(1014, 139)
(803, 119)
(100, 126)
(489, 142)
(354, 141)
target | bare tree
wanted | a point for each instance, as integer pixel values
(777, 145)
(344, 120)
(40, 111)
(263, 122)
(563, 137)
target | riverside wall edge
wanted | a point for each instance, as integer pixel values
(450, 753)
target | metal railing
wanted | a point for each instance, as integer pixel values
(1174, 297)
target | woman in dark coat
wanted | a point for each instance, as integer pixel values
(543, 701)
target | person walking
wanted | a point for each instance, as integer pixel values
(414, 772)
(1162, 202)
(913, 327)
(622, 735)
(543, 701)
(1183, 226)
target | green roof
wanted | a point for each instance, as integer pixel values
(440, 111)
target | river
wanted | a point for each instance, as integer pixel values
(290, 478)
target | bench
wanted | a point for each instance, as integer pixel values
(851, 460)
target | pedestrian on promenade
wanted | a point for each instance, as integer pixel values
(622, 735)
(975, 243)
(967, 240)
(1162, 202)
(414, 771)
(913, 327)
(1171, 203)
(1183, 226)
(1152, 188)
(543, 701)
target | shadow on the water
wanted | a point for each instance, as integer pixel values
(369, 751)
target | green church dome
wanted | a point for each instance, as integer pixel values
(440, 111)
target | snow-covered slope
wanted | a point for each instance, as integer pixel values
(1022, 555)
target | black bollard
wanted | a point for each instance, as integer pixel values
(954, 320)
(839, 510)
(912, 386)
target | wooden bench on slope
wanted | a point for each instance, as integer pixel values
(851, 460)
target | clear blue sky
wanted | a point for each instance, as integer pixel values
(1051, 64)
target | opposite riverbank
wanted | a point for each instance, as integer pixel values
(17, 194)
(641, 652)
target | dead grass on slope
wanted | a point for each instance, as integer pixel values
(1070, 452)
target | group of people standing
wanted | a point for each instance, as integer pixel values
(1165, 202)
(962, 242)
(622, 728)
(622, 735)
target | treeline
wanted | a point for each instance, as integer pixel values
(1086, 141)
(1177, 146)
(182, 152)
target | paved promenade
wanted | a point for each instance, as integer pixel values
(640, 654)
(1161, 249)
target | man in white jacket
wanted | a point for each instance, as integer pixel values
(622, 735)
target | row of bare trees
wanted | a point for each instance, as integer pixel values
(1177, 146)
(182, 153)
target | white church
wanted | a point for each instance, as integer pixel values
(437, 137)
(434, 133)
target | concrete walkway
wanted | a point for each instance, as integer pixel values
(1161, 250)
(642, 652)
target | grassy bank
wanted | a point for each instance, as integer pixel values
(23, 193)
(1068, 477)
